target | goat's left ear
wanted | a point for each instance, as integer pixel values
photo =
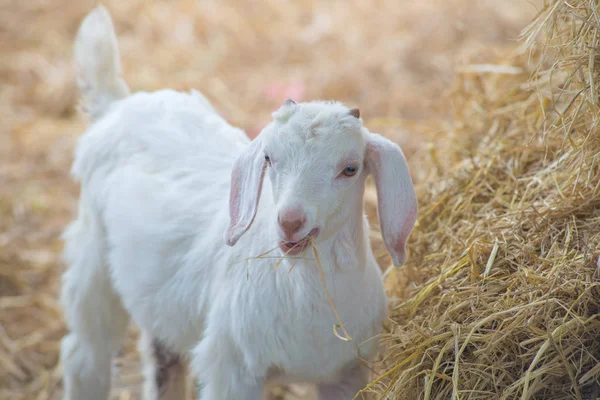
(396, 198)
(246, 184)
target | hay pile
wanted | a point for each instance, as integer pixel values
(508, 238)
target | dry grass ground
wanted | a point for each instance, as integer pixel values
(393, 59)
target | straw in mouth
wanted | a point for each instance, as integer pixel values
(293, 248)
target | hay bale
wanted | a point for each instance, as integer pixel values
(508, 236)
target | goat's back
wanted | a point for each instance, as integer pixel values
(164, 130)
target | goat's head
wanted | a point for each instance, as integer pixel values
(317, 156)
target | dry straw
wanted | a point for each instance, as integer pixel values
(508, 236)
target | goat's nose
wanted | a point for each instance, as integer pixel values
(291, 221)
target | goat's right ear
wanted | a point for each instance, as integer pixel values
(396, 199)
(246, 183)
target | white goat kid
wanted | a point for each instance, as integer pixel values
(166, 183)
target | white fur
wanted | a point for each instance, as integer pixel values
(149, 242)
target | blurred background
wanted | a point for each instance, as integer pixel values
(394, 59)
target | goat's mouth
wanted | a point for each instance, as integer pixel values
(293, 248)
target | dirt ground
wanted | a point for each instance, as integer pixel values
(394, 59)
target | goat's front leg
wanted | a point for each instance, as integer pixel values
(165, 372)
(351, 380)
(222, 374)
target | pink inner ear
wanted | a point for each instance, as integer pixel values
(396, 199)
(400, 244)
(234, 207)
(246, 184)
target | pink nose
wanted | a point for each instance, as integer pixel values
(291, 221)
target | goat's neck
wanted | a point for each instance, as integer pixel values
(348, 246)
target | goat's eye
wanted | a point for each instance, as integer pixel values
(267, 159)
(350, 170)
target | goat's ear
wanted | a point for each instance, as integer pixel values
(396, 199)
(246, 183)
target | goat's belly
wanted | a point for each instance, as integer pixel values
(163, 310)
(163, 297)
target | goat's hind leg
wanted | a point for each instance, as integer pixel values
(165, 372)
(95, 317)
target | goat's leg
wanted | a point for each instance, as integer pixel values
(222, 374)
(352, 379)
(165, 372)
(95, 316)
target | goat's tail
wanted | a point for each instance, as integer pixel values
(98, 63)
